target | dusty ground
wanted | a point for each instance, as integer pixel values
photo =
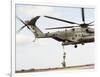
(79, 67)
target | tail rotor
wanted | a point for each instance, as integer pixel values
(30, 23)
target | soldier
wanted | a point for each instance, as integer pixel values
(64, 63)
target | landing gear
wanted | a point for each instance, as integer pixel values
(64, 57)
(75, 46)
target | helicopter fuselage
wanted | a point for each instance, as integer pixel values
(72, 36)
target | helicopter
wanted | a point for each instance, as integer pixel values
(79, 34)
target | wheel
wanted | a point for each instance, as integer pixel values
(75, 46)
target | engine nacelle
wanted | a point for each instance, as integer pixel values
(90, 30)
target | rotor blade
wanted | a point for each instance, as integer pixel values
(61, 20)
(22, 21)
(61, 27)
(91, 22)
(91, 25)
(83, 17)
(21, 28)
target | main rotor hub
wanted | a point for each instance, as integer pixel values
(84, 25)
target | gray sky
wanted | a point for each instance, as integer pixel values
(46, 53)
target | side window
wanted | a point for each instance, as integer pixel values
(73, 29)
(73, 38)
(75, 35)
